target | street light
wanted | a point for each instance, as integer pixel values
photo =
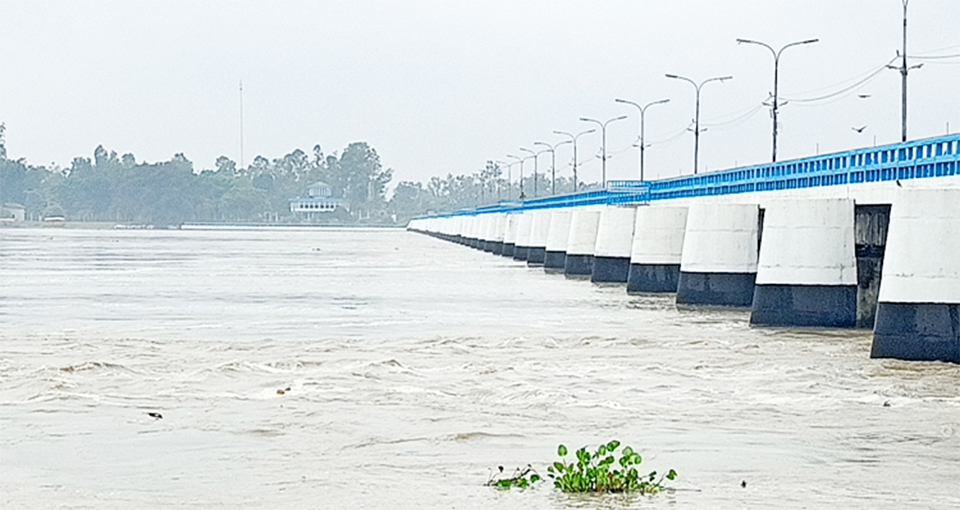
(643, 110)
(519, 160)
(776, 65)
(536, 166)
(603, 157)
(574, 139)
(553, 161)
(696, 129)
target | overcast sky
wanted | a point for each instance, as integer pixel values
(440, 87)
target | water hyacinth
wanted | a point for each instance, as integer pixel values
(603, 470)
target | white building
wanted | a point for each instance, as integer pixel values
(319, 200)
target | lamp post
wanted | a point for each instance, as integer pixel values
(573, 138)
(603, 150)
(519, 160)
(535, 167)
(776, 66)
(643, 110)
(553, 162)
(696, 129)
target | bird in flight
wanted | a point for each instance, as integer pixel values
(156, 416)
(859, 129)
(863, 96)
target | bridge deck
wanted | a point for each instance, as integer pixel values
(917, 159)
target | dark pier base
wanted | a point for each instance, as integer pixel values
(536, 255)
(520, 252)
(610, 269)
(917, 331)
(578, 266)
(497, 248)
(827, 306)
(554, 261)
(508, 249)
(717, 289)
(644, 278)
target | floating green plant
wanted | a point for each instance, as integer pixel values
(521, 478)
(602, 470)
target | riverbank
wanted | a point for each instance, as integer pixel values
(112, 225)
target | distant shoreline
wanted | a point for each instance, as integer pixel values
(110, 225)
(263, 226)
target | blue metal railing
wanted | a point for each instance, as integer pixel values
(918, 159)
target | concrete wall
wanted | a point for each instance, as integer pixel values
(611, 254)
(580, 244)
(499, 233)
(488, 226)
(524, 230)
(870, 231)
(539, 231)
(656, 249)
(807, 274)
(510, 235)
(556, 252)
(919, 312)
(719, 261)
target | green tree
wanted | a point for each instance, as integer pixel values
(226, 166)
(361, 179)
(407, 201)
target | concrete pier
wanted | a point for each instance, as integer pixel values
(488, 228)
(538, 238)
(719, 261)
(870, 231)
(807, 273)
(499, 232)
(471, 229)
(583, 237)
(480, 231)
(611, 254)
(556, 255)
(656, 250)
(918, 317)
(492, 232)
(459, 227)
(868, 237)
(524, 230)
(510, 234)
(446, 229)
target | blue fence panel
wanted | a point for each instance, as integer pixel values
(918, 159)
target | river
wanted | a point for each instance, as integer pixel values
(339, 368)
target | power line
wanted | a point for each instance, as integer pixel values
(844, 90)
(945, 48)
(750, 112)
(935, 57)
(673, 137)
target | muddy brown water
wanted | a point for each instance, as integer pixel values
(416, 366)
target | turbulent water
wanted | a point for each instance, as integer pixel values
(409, 368)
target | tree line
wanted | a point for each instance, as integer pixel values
(118, 188)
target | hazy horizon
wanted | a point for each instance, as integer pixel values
(440, 87)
